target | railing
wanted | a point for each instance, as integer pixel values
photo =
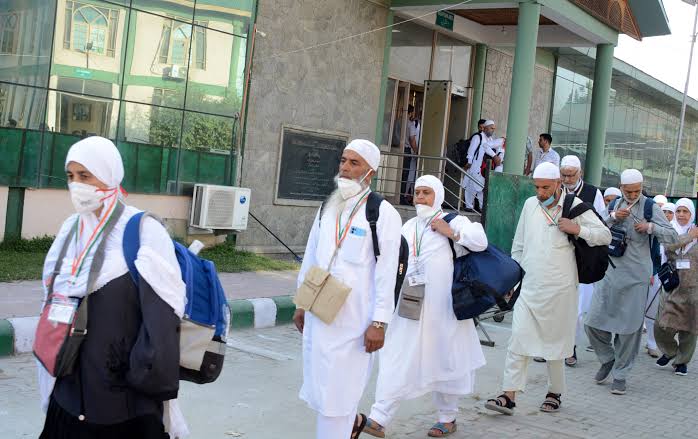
(395, 181)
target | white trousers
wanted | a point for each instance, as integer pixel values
(383, 412)
(652, 307)
(470, 196)
(516, 374)
(334, 427)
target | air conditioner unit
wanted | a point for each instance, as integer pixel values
(220, 207)
(175, 72)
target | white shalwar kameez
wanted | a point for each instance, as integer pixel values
(336, 366)
(476, 154)
(545, 314)
(437, 353)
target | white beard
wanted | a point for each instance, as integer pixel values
(335, 202)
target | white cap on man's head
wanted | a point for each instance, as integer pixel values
(612, 191)
(660, 199)
(367, 150)
(571, 161)
(631, 176)
(547, 171)
(488, 122)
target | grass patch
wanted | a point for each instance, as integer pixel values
(24, 259)
(229, 260)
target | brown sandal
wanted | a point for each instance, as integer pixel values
(552, 403)
(358, 428)
(506, 407)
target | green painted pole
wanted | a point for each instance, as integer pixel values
(478, 85)
(522, 86)
(384, 78)
(600, 95)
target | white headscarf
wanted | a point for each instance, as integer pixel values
(100, 157)
(660, 199)
(682, 230)
(612, 191)
(434, 184)
(669, 207)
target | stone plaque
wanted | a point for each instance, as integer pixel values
(309, 162)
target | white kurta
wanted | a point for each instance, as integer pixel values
(545, 314)
(438, 352)
(336, 366)
(475, 158)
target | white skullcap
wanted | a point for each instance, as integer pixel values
(571, 161)
(367, 150)
(671, 207)
(434, 184)
(547, 171)
(612, 191)
(631, 176)
(660, 199)
(488, 122)
(100, 157)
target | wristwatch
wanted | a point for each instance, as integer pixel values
(378, 325)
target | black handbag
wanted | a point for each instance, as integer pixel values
(618, 243)
(668, 276)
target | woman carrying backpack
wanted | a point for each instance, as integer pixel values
(125, 338)
(678, 309)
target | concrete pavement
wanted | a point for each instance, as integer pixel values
(23, 299)
(256, 398)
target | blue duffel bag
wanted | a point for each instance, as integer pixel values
(481, 280)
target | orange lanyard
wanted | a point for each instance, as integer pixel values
(342, 233)
(417, 240)
(551, 219)
(96, 233)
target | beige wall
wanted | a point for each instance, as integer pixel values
(3, 210)
(46, 209)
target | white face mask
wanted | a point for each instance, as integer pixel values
(350, 188)
(86, 198)
(425, 211)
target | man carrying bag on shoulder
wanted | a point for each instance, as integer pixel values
(346, 294)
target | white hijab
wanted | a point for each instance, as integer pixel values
(434, 184)
(682, 230)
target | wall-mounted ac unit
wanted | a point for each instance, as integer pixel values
(175, 72)
(220, 207)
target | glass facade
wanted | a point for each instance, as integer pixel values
(162, 78)
(641, 132)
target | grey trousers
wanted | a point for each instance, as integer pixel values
(621, 348)
(681, 352)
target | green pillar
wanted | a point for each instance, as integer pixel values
(600, 95)
(478, 85)
(14, 214)
(384, 77)
(522, 86)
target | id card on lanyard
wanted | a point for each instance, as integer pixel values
(418, 276)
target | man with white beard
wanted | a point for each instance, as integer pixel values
(337, 356)
(571, 174)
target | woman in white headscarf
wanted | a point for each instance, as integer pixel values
(678, 309)
(435, 353)
(652, 306)
(127, 369)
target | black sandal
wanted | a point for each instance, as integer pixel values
(497, 405)
(552, 403)
(358, 428)
(572, 361)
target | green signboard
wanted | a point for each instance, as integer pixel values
(444, 19)
(83, 73)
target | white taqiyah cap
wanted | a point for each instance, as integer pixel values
(660, 199)
(571, 161)
(488, 122)
(631, 176)
(547, 171)
(612, 191)
(367, 150)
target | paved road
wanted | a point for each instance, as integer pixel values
(23, 299)
(256, 398)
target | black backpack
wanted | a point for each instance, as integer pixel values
(462, 149)
(592, 262)
(373, 204)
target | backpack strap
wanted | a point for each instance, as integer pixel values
(647, 212)
(567, 205)
(373, 204)
(612, 204)
(448, 218)
(132, 243)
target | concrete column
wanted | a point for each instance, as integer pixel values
(600, 95)
(522, 86)
(478, 85)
